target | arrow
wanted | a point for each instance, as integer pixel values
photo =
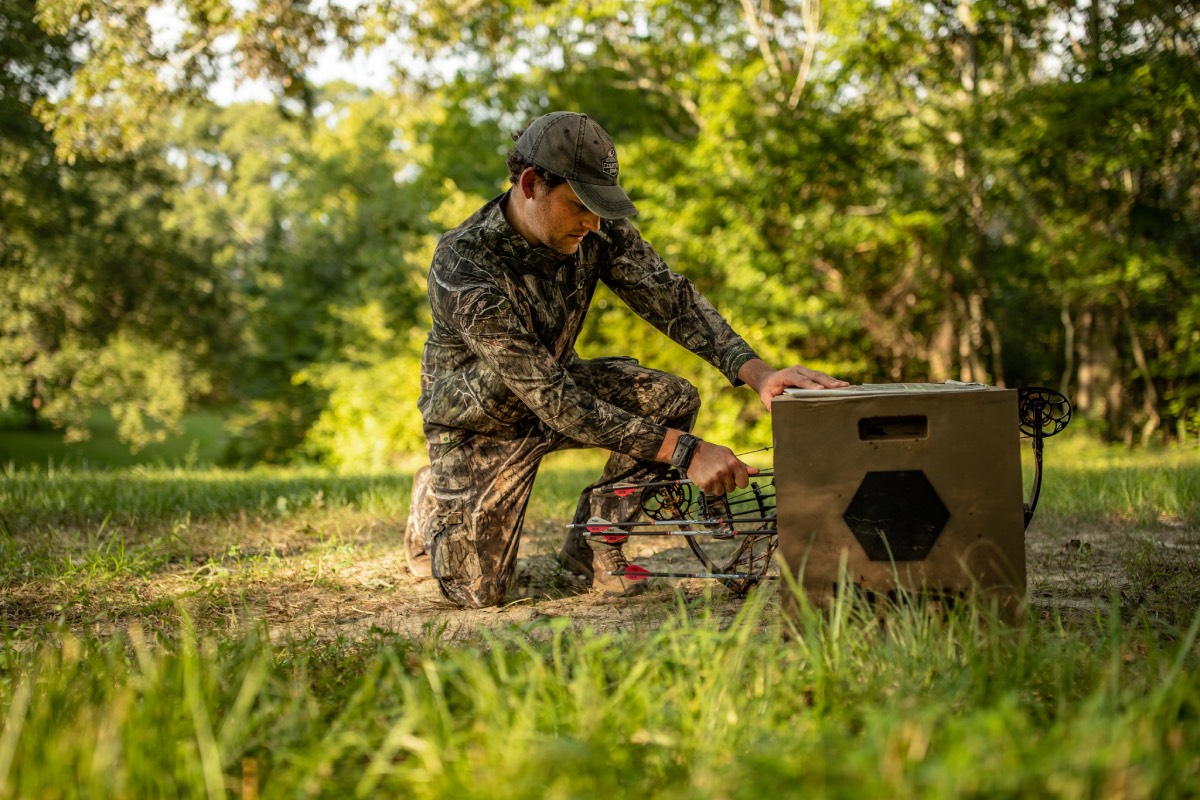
(596, 525)
(636, 573)
(626, 489)
(720, 534)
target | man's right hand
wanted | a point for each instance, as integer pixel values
(716, 470)
(713, 468)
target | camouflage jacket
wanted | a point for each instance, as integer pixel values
(506, 316)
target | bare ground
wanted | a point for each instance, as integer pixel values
(1094, 569)
(336, 577)
(312, 580)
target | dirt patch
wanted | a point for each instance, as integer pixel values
(347, 578)
(324, 580)
(1096, 569)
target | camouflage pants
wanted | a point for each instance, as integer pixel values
(481, 483)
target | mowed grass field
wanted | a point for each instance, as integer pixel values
(187, 631)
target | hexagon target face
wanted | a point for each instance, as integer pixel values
(896, 515)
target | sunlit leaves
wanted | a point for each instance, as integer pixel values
(993, 190)
(143, 58)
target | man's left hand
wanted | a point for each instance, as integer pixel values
(770, 383)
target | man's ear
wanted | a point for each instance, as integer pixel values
(528, 183)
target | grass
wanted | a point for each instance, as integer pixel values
(152, 496)
(145, 655)
(200, 442)
(695, 708)
(1084, 480)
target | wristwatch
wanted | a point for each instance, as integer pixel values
(685, 448)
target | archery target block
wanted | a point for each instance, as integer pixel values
(912, 487)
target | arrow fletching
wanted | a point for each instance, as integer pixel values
(597, 525)
(635, 573)
(600, 525)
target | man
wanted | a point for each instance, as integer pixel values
(502, 385)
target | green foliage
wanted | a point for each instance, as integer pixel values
(346, 298)
(100, 303)
(325, 231)
(1110, 164)
(993, 191)
(146, 56)
(138, 381)
(364, 424)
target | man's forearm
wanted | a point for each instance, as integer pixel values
(713, 467)
(754, 372)
(667, 449)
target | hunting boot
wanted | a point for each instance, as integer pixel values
(421, 510)
(575, 555)
(596, 561)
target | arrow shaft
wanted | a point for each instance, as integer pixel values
(756, 532)
(658, 522)
(730, 576)
(615, 487)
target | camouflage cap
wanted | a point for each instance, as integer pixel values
(578, 149)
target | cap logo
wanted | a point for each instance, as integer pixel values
(610, 164)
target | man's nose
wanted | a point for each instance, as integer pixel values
(591, 222)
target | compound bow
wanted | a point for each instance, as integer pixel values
(741, 527)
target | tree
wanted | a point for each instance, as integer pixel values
(100, 305)
(1107, 167)
(143, 57)
(989, 190)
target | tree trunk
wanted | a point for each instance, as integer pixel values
(1101, 394)
(1149, 393)
(1064, 385)
(34, 421)
(942, 347)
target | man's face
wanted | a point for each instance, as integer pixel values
(558, 219)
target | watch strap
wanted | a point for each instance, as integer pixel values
(685, 449)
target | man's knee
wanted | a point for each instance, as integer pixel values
(650, 393)
(689, 399)
(668, 398)
(466, 569)
(677, 405)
